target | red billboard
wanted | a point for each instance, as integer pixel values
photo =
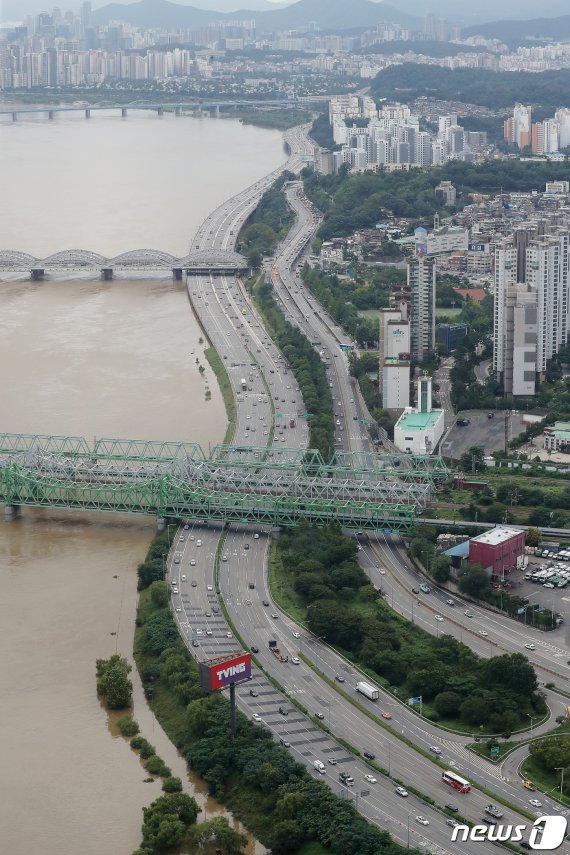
(221, 672)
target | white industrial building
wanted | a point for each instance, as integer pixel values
(419, 429)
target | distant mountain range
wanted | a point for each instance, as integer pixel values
(519, 31)
(483, 11)
(326, 14)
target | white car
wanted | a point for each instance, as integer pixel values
(530, 646)
(229, 635)
(401, 791)
(439, 618)
(483, 632)
(435, 749)
(422, 820)
(181, 537)
(295, 660)
(209, 588)
(370, 778)
(296, 635)
(535, 803)
(256, 717)
(178, 609)
(192, 562)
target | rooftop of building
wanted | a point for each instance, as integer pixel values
(460, 550)
(419, 421)
(497, 535)
(561, 430)
(476, 294)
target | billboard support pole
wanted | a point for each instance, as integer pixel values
(233, 708)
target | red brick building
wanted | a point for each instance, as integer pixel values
(498, 549)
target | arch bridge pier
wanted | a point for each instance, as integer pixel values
(198, 263)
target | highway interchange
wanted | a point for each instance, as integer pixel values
(264, 411)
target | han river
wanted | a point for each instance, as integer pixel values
(89, 358)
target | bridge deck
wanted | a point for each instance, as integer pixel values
(232, 483)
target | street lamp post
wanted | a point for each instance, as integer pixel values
(437, 629)
(409, 815)
(561, 770)
(531, 723)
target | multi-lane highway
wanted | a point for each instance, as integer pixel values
(265, 408)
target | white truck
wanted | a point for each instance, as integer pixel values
(367, 690)
(319, 766)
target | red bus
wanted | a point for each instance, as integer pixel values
(456, 782)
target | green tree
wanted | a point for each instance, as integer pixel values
(473, 460)
(533, 536)
(217, 831)
(473, 580)
(287, 836)
(159, 633)
(172, 785)
(113, 682)
(447, 704)
(159, 594)
(441, 568)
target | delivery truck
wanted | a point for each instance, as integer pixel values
(367, 690)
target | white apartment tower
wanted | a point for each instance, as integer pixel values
(547, 272)
(531, 320)
(518, 128)
(394, 359)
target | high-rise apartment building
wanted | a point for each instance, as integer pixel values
(531, 317)
(562, 116)
(421, 273)
(545, 137)
(394, 359)
(518, 128)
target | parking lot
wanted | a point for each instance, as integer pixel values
(555, 599)
(489, 433)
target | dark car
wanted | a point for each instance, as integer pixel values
(454, 808)
(369, 755)
(415, 590)
(266, 602)
(339, 679)
(254, 649)
(253, 693)
(251, 585)
(283, 711)
(524, 844)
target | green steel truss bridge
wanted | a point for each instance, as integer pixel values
(362, 490)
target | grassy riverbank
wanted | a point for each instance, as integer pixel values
(219, 369)
(259, 781)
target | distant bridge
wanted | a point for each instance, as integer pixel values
(362, 490)
(204, 262)
(160, 109)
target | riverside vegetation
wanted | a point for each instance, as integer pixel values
(321, 576)
(261, 783)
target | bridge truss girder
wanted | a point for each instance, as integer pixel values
(277, 486)
(168, 497)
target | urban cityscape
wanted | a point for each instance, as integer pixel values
(285, 359)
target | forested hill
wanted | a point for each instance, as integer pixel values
(549, 89)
